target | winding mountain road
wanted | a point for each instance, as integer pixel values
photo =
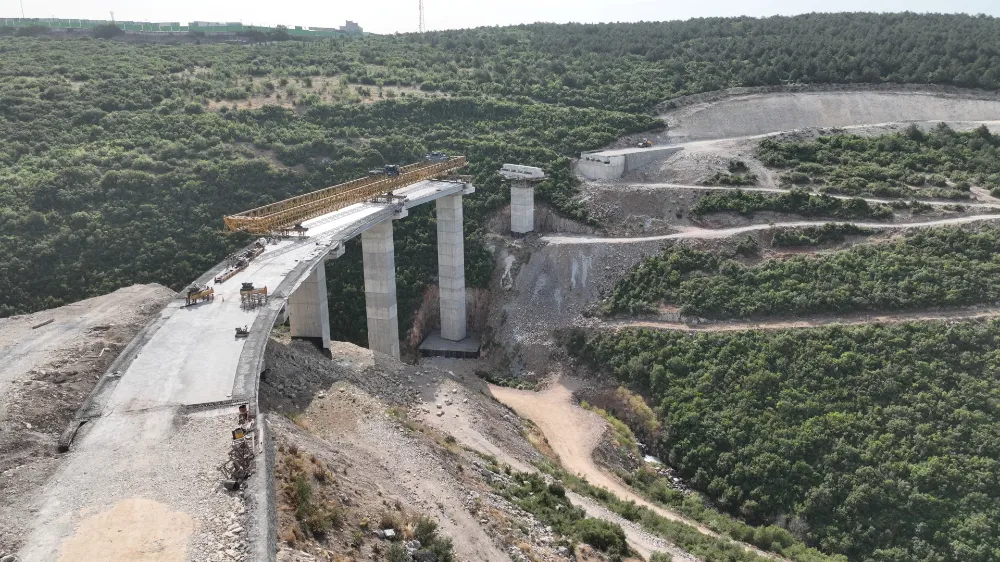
(712, 233)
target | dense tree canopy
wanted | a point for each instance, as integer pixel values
(931, 268)
(119, 159)
(941, 163)
(796, 202)
(881, 442)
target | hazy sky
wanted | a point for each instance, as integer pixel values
(387, 16)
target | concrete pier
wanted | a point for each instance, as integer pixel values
(308, 311)
(522, 208)
(451, 267)
(380, 288)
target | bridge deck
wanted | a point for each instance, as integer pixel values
(143, 442)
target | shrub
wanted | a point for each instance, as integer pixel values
(425, 530)
(601, 534)
(397, 553)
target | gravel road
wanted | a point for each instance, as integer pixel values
(705, 233)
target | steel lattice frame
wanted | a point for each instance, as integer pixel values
(275, 216)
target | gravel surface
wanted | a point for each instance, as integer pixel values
(343, 405)
(159, 488)
(45, 374)
(765, 113)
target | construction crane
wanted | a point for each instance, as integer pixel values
(284, 214)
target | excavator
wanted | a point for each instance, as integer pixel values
(644, 143)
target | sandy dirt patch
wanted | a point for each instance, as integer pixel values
(134, 529)
(574, 434)
(45, 374)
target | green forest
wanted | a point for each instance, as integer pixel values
(829, 233)
(940, 163)
(797, 202)
(930, 268)
(877, 442)
(119, 159)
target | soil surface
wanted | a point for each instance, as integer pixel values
(756, 114)
(46, 372)
(574, 434)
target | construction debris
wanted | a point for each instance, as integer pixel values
(239, 466)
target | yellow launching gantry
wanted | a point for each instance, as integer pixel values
(283, 214)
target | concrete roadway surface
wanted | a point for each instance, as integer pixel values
(150, 445)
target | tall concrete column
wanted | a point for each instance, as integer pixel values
(308, 312)
(380, 288)
(451, 267)
(522, 208)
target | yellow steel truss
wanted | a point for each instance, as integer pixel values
(275, 216)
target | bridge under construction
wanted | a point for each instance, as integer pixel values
(186, 374)
(283, 214)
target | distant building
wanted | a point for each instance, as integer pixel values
(351, 27)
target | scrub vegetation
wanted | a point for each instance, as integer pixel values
(875, 442)
(119, 159)
(932, 268)
(940, 163)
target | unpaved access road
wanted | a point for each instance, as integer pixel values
(817, 322)
(574, 433)
(708, 233)
(935, 202)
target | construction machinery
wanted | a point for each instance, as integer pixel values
(281, 215)
(298, 229)
(644, 143)
(389, 170)
(230, 271)
(240, 260)
(242, 332)
(436, 156)
(252, 297)
(196, 294)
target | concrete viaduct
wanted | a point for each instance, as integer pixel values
(186, 369)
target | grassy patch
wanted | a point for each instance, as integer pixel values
(508, 382)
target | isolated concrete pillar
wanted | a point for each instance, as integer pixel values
(308, 312)
(451, 267)
(380, 288)
(522, 208)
